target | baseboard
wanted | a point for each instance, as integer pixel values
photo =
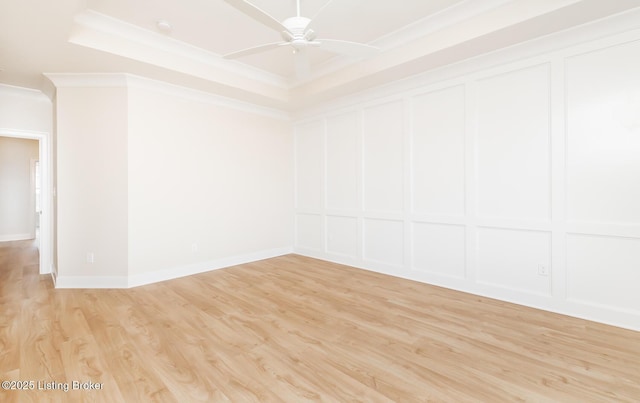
(163, 275)
(201, 267)
(54, 275)
(91, 282)
(16, 237)
(627, 319)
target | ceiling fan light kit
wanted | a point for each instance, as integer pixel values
(296, 32)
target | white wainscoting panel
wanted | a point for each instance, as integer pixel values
(383, 157)
(343, 161)
(383, 241)
(439, 248)
(309, 151)
(513, 144)
(342, 236)
(603, 122)
(604, 271)
(309, 231)
(437, 152)
(519, 180)
(511, 259)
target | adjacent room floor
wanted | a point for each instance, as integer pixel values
(297, 329)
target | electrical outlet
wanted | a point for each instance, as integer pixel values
(194, 247)
(90, 257)
(543, 270)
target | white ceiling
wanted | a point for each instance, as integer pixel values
(221, 29)
(97, 36)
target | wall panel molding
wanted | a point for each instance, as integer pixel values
(383, 157)
(342, 236)
(503, 225)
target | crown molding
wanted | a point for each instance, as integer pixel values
(113, 32)
(100, 32)
(452, 15)
(120, 30)
(22, 92)
(125, 80)
(620, 28)
(66, 80)
(191, 94)
(465, 30)
(509, 25)
(445, 18)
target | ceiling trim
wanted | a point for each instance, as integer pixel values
(134, 81)
(505, 26)
(126, 80)
(425, 26)
(91, 19)
(465, 30)
(98, 31)
(611, 31)
(452, 15)
(22, 91)
(66, 80)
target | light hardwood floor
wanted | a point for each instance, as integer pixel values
(297, 329)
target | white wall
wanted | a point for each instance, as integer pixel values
(17, 201)
(24, 109)
(157, 182)
(520, 181)
(92, 182)
(208, 185)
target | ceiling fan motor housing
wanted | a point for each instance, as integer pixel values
(296, 33)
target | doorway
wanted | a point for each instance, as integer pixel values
(36, 194)
(45, 216)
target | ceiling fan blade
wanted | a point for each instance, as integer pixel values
(255, 49)
(302, 64)
(348, 48)
(328, 12)
(312, 23)
(257, 14)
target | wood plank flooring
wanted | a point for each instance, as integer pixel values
(296, 329)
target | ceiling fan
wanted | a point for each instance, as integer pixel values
(298, 32)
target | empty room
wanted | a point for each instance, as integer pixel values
(320, 200)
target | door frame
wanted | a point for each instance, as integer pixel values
(47, 190)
